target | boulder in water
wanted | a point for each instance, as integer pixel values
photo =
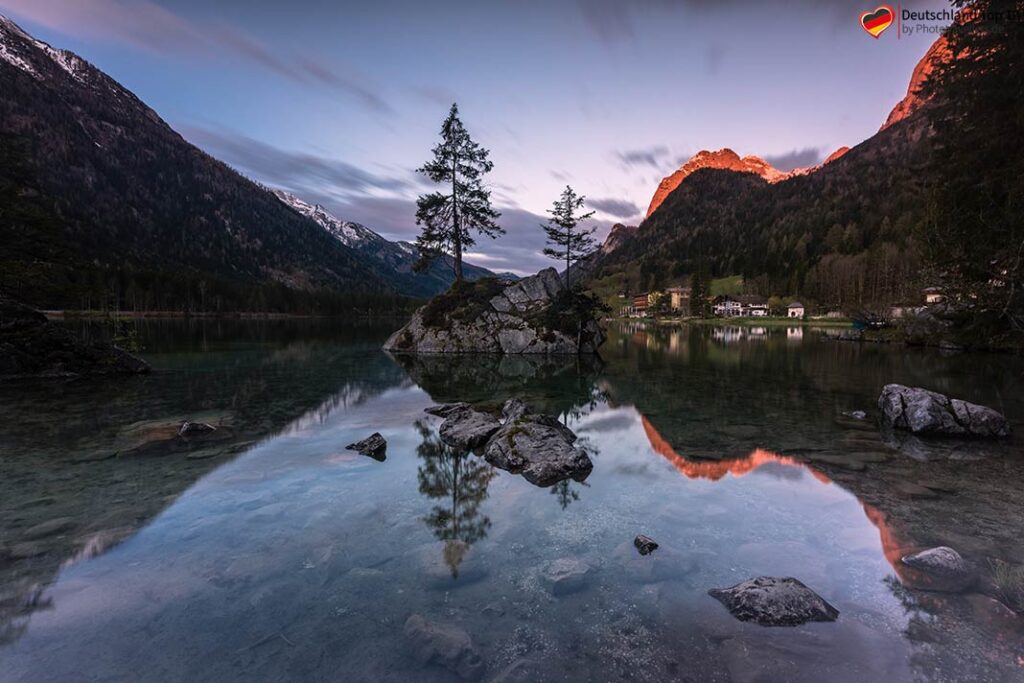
(929, 413)
(771, 601)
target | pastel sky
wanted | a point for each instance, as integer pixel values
(340, 101)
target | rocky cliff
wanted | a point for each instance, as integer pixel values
(532, 316)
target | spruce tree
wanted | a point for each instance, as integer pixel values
(450, 217)
(567, 241)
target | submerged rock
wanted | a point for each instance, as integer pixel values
(645, 544)
(374, 446)
(539, 447)
(855, 414)
(932, 414)
(492, 317)
(939, 569)
(32, 346)
(195, 429)
(443, 645)
(467, 429)
(566, 575)
(771, 601)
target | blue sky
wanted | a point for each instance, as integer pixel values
(339, 102)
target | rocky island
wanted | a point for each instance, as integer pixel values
(536, 315)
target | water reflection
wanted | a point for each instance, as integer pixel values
(293, 559)
(460, 481)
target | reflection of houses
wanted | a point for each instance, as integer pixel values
(727, 335)
(933, 295)
(745, 305)
(795, 310)
(794, 333)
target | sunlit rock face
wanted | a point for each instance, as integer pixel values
(725, 159)
(938, 54)
(493, 317)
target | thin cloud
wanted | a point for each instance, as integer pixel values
(144, 25)
(287, 168)
(619, 208)
(797, 158)
(654, 156)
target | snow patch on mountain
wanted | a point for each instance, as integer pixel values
(350, 234)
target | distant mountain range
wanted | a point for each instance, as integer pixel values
(842, 232)
(103, 204)
(395, 258)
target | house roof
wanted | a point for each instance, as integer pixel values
(795, 304)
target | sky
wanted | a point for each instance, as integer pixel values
(339, 102)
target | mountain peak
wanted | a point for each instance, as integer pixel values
(725, 159)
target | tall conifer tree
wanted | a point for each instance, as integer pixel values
(450, 217)
(567, 241)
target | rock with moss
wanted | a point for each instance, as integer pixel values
(536, 315)
(32, 346)
(539, 447)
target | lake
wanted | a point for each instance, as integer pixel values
(266, 551)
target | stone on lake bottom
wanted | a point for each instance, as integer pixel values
(566, 575)
(939, 569)
(443, 645)
(772, 601)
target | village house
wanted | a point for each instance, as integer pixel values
(638, 307)
(795, 310)
(679, 300)
(742, 306)
(933, 295)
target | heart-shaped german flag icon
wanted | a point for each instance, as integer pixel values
(877, 20)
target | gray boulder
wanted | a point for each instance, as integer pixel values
(771, 601)
(939, 569)
(539, 447)
(509, 322)
(443, 645)
(466, 429)
(932, 414)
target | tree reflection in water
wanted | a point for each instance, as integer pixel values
(460, 481)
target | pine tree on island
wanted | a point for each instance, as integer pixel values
(567, 241)
(450, 216)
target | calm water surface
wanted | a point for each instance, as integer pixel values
(271, 553)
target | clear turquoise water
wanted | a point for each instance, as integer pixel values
(279, 555)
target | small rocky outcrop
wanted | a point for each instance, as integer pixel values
(645, 545)
(466, 429)
(444, 645)
(771, 601)
(539, 447)
(490, 316)
(373, 446)
(929, 413)
(32, 346)
(939, 569)
(189, 429)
